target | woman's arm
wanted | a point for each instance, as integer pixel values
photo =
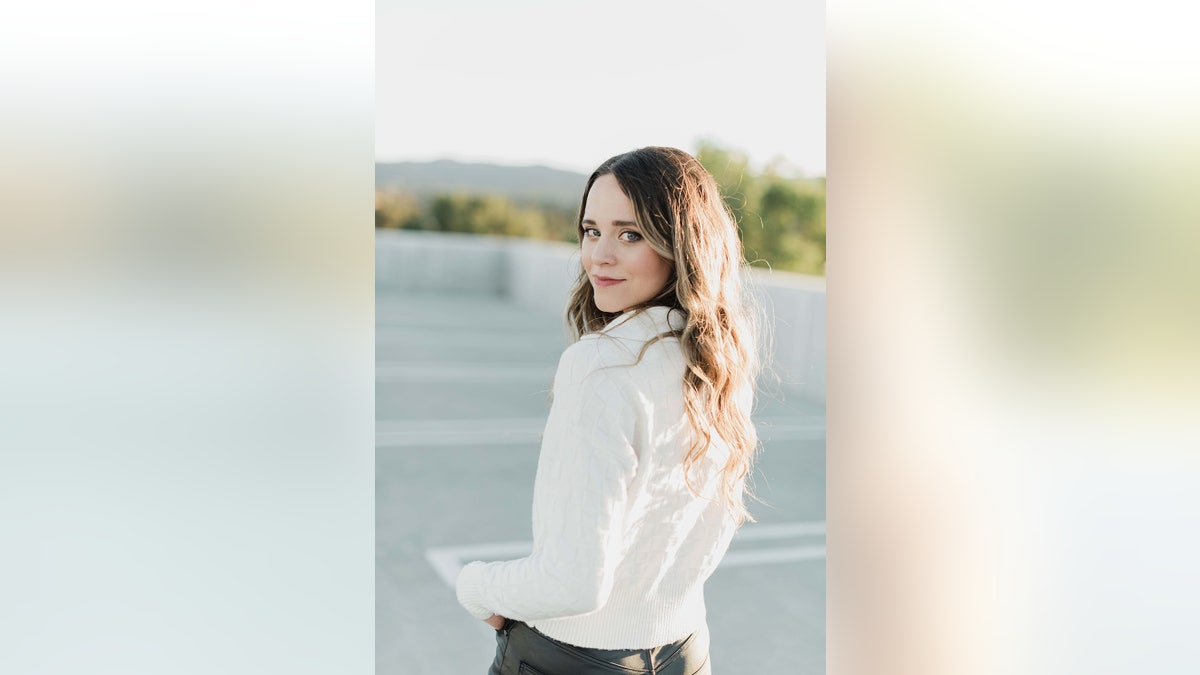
(587, 462)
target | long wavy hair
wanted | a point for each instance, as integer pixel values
(682, 217)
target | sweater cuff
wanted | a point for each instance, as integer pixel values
(469, 590)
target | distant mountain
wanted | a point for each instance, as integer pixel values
(519, 183)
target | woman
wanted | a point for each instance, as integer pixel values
(641, 475)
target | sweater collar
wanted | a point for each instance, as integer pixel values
(646, 323)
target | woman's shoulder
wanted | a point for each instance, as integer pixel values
(591, 354)
(638, 348)
(630, 332)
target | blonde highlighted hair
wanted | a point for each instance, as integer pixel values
(682, 217)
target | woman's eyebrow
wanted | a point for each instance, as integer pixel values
(618, 223)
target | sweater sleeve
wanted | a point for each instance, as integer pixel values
(586, 465)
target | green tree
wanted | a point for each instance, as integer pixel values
(793, 225)
(781, 220)
(486, 214)
(731, 169)
(397, 209)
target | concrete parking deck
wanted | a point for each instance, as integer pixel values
(462, 384)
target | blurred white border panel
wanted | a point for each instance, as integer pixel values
(1014, 375)
(1014, 321)
(186, 337)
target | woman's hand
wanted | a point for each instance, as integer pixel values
(495, 621)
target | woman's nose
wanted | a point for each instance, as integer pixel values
(603, 250)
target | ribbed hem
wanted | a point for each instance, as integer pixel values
(469, 590)
(632, 620)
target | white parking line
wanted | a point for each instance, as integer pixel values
(780, 531)
(772, 555)
(447, 561)
(474, 339)
(426, 433)
(790, 428)
(400, 371)
(450, 560)
(459, 432)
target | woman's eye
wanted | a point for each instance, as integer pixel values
(591, 232)
(630, 235)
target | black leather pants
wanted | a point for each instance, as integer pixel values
(521, 650)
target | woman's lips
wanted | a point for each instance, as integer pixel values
(605, 281)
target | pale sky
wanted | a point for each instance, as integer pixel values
(570, 83)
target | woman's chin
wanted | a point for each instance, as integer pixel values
(610, 307)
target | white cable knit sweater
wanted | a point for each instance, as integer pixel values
(621, 547)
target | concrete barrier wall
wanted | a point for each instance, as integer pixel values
(538, 274)
(794, 306)
(541, 273)
(432, 261)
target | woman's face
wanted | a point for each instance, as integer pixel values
(623, 269)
